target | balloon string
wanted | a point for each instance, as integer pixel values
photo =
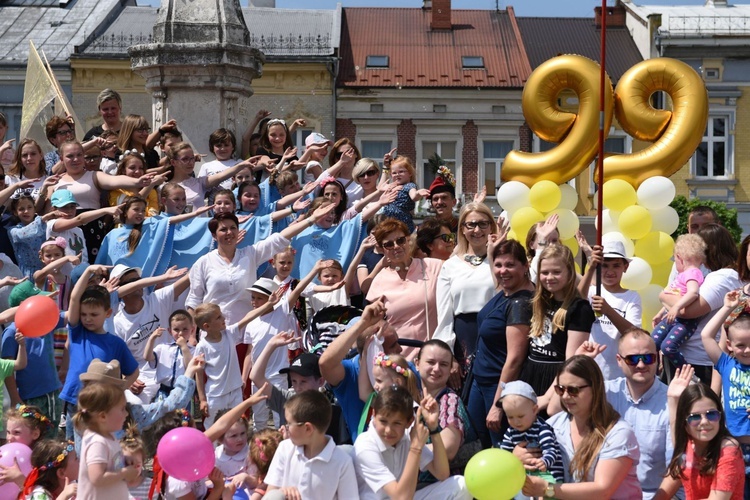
(600, 159)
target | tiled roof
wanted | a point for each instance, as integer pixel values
(420, 57)
(276, 32)
(547, 37)
(54, 30)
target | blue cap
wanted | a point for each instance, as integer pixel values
(62, 197)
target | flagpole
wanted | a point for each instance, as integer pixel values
(600, 159)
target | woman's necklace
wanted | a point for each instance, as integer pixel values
(405, 267)
(475, 260)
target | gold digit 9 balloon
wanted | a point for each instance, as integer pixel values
(576, 134)
(677, 133)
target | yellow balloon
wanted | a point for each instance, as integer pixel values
(634, 222)
(656, 247)
(523, 219)
(575, 133)
(568, 223)
(545, 196)
(572, 244)
(512, 236)
(677, 132)
(618, 195)
(661, 273)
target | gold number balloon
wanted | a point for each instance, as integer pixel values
(575, 133)
(675, 133)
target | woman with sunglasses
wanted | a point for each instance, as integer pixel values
(408, 285)
(707, 461)
(465, 285)
(503, 338)
(435, 239)
(599, 449)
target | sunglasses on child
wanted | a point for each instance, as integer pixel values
(572, 390)
(634, 359)
(694, 419)
(398, 241)
(447, 238)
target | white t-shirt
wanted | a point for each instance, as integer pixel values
(260, 330)
(195, 190)
(222, 366)
(327, 476)
(135, 329)
(178, 489)
(716, 285)
(218, 166)
(628, 305)
(321, 300)
(214, 280)
(169, 362)
(73, 237)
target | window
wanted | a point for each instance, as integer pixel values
(494, 155)
(299, 139)
(712, 73)
(375, 150)
(713, 158)
(472, 62)
(617, 142)
(446, 150)
(377, 62)
(439, 108)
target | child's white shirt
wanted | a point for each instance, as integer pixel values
(261, 329)
(216, 167)
(222, 366)
(321, 300)
(170, 362)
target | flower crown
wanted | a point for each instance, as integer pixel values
(383, 360)
(129, 152)
(30, 412)
(185, 415)
(59, 459)
(446, 174)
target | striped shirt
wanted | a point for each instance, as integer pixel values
(541, 434)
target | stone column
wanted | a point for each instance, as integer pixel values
(199, 68)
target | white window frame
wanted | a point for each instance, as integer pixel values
(481, 175)
(370, 138)
(729, 114)
(422, 159)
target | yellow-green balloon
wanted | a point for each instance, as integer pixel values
(522, 220)
(494, 474)
(572, 244)
(634, 222)
(650, 300)
(618, 195)
(656, 247)
(661, 274)
(545, 196)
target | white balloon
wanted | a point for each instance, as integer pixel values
(609, 221)
(638, 276)
(626, 242)
(569, 197)
(665, 219)
(656, 192)
(568, 223)
(513, 195)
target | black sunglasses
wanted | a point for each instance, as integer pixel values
(572, 390)
(369, 173)
(447, 238)
(634, 359)
(398, 241)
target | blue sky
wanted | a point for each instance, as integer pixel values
(547, 8)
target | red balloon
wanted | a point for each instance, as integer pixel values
(37, 316)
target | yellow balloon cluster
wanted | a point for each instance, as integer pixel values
(675, 133)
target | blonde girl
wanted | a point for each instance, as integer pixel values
(25, 425)
(263, 447)
(561, 320)
(133, 164)
(55, 275)
(173, 199)
(135, 136)
(402, 174)
(54, 474)
(233, 455)
(101, 413)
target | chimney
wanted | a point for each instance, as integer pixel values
(441, 15)
(615, 17)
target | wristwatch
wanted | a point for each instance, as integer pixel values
(437, 430)
(542, 243)
(549, 491)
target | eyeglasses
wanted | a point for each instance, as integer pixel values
(573, 391)
(695, 418)
(447, 238)
(144, 129)
(481, 224)
(298, 424)
(634, 359)
(369, 173)
(397, 242)
(65, 132)
(186, 159)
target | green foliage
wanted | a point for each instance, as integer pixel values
(435, 162)
(728, 216)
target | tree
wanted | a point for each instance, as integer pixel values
(727, 216)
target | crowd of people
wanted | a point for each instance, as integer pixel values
(331, 346)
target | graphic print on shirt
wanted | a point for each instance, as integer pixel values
(143, 332)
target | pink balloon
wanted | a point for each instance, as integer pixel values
(10, 453)
(186, 454)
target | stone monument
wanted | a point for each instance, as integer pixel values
(199, 67)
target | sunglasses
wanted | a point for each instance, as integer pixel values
(634, 359)
(481, 224)
(447, 238)
(695, 418)
(572, 390)
(369, 173)
(397, 242)
(144, 129)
